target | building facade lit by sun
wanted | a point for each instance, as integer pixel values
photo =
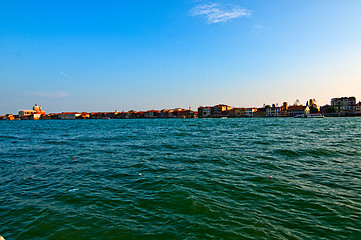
(35, 113)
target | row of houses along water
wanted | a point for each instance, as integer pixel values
(266, 111)
(345, 106)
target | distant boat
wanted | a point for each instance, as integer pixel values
(315, 115)
(311, 115)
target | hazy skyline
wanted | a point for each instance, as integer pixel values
(141, 55)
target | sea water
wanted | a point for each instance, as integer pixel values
(259, 178)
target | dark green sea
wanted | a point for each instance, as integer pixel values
(266, 178)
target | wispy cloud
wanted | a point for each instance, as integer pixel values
(258, 28)
(53, 94)
(64, 74)
(216, 13)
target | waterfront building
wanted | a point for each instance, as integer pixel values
(200, 111)
(151, 114)
(238, 112)
(166, 113)
(51, 116)
(325, 109)
(46, 117)
(96, 115)
(297, 110)
(230, 113)
(284, 109)
(122, 115)
(249, 112)
(84, 115)
(204, 112)
(344, 106)
(358, 108)
(140, 114)
(314, 108)
(273, 111)
(135, 114)
(189, 113)
(9, 117)
(261, 112)
(55, 115)
(69, 115)
(218, 110)
(110, 115)
(283, 112)
(207, 112)
(35, 113)
(178, 113)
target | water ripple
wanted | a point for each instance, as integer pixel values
(181, 179)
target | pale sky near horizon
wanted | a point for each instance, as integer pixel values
(141, 54)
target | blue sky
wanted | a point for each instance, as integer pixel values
(141, 54)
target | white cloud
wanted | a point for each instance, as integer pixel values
(258, 26)
(64, 74)
(53, 95)
(216, 13)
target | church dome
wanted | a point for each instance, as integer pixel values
(37, 108)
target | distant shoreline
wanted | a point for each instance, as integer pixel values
(340, 107)
(269, 117)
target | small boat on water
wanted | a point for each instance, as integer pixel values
(311, 115)
(315, 115)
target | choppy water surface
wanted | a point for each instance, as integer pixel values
(181, 179)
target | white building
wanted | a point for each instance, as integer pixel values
(249, 112)
(273, 112)
(36, 113)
